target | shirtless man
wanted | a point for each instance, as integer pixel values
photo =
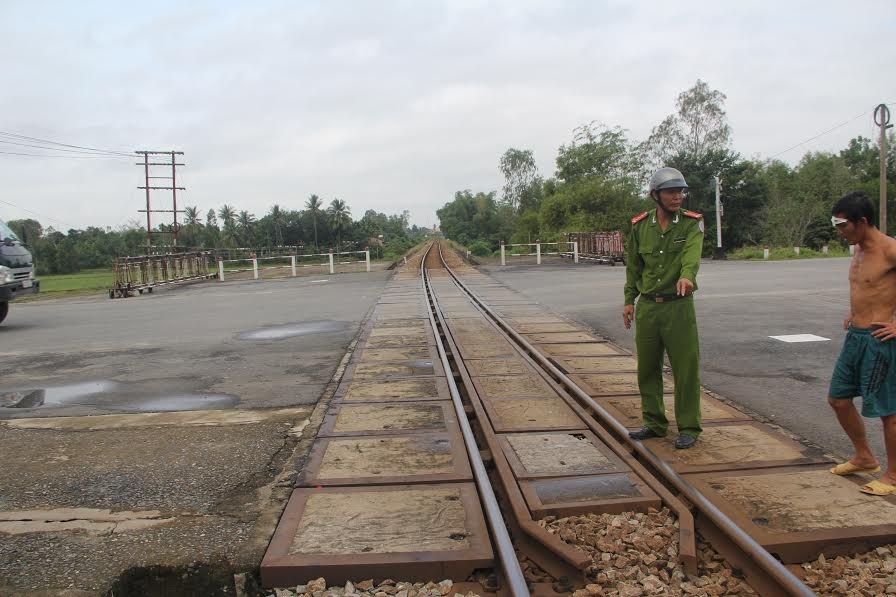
(867, 363)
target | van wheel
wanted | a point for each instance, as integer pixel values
(4, 309)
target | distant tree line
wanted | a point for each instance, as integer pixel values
(601, 173)
(314, 229)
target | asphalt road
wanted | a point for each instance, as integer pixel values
(739, 305)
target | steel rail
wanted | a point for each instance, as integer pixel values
(510, 565)
(786, 579)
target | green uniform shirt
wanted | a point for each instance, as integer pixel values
(655, 260)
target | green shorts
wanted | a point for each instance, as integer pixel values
(866, 368)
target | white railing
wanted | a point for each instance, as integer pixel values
(573, 248)
(332, 260)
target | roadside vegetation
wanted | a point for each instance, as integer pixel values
(600, 173)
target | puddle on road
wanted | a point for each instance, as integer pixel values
(290, 330)
(110, 396)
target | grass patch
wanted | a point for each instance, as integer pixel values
(84, 282)
(783, 253)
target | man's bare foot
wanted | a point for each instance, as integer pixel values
(864, 462)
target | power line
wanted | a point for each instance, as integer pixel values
(38, 140)
(823, 133)
(70, 157)
(34, 213)
(78, 151)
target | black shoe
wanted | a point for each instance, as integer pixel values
(643, 433)
(685, 441)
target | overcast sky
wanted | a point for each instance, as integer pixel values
(397, 105)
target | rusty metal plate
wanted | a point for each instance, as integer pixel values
(607, 364)
(799, 512)
(481, 351)
(383, 418)
(581, 349)
(393, 390)
(386, 370)
(562, 337)
(386, 459)
(530, 385)
(733, 446)
(398, 341)
(558, 454)
(531, 414)
(627, 410)
(408, 353)
(511, 366)
(614, 384)
(542, 328)
(415, 533)
(598, 494)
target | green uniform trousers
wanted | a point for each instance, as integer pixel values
(669, 327)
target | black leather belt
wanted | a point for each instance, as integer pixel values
(662, 298)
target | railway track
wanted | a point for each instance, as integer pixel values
(470, 421)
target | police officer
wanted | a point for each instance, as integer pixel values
(662, 259)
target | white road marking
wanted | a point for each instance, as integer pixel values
(800, 338)
(313, 281)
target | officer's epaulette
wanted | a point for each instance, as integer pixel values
(693, 214)
(637, 219)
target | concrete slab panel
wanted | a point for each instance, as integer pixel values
(385, 419)
(581, 349)
(407, 353)
(557, 454)
(383, 460)
(614, 384)
(627, 410)
(607, 364)
(394, 390)
(531, 414)
(529, 385)
(510, 366)
(731, 446)
(385, 370)
(410, 532)
(541, 328)
(799, 512)
(599, 494)
(562, 337)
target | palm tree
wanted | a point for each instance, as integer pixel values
(247, 223)
(191, 220)
(341, 218)
(227, 214)
(313, 205)
(277, 220)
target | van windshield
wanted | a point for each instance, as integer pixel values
(6, 232)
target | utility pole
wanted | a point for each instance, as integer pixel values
(719, 254)
(150, 187)
(882, 119)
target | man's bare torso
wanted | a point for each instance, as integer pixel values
(872, 284)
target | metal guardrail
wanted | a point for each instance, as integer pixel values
(145, 272)
(538, 253)
(331, 262)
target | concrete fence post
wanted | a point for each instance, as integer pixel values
(852, 249)
(796, 250)
(367, 259)
(503, 256)
(765, 253)
(220, 270)
(575, 251)
(332, 268)
(824, 249)
(537, 253)
(292, 260)
(255, 267)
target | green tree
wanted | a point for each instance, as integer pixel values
(340, 220)
(29, 231)
(596, 150)
(246, 226)
(699, 125)
(313, 205)
(521, 180)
